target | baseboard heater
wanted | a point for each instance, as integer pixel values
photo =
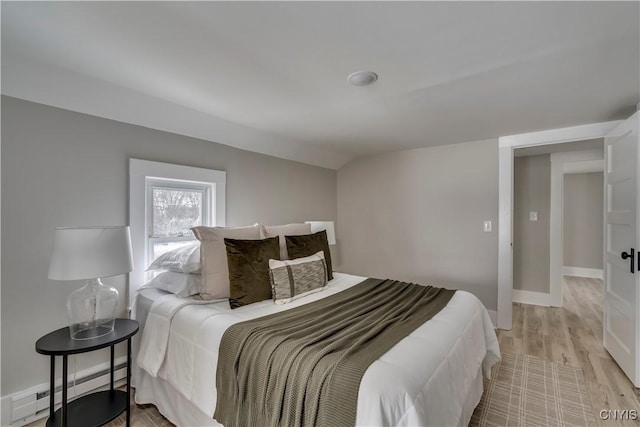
(31, 406)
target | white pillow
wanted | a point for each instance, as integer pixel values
(185, 259)
(181, 284)
(213, 256)
(284, 230)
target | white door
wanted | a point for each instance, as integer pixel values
(621, 259)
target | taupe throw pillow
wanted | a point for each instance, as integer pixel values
(285, 230)
(248, 262)
(213, 256)
(309, 244)
(293, 279)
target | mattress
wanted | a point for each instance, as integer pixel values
(429, 378)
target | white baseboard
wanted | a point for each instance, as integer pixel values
(594, 273)
(533, 298)
(24, 407)
(493, 315)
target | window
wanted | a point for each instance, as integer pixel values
(165, 201)
(173, 207)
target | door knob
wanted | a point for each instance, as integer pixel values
(629, 254)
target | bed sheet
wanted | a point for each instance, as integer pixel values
(423, 380)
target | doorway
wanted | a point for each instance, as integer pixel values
(506, 147)
(583, 249)
(621, 228)
(547, 242)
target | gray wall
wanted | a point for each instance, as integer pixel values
(531, 192)
(417, 215)
(65, 168)
(583, 219)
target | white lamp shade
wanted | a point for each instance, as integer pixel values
(324, 225)
(90, 252)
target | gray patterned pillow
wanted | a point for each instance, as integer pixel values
(292, 279)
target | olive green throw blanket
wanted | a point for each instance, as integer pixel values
(303, 366)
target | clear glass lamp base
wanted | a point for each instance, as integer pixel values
(91, 310)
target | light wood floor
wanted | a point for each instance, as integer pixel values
(572, 335)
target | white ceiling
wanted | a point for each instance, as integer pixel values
(271, 76)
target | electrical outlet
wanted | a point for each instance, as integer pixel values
(533, 216)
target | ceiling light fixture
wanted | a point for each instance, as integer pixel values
(362, 78)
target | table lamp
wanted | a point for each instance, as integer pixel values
(89, 253)
(324, 225)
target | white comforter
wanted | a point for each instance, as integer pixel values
(423, 380)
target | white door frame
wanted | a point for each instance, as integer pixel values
(506, 145)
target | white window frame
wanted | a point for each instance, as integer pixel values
(141, 172)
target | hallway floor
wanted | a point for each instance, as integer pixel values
(572, 335)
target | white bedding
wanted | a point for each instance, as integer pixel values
(423, 380)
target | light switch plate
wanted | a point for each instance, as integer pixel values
(533, 216)
(487, 227)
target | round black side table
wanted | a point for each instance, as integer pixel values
(94, 409)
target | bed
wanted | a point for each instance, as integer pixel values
(431, 377)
